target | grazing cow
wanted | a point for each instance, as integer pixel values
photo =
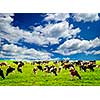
(19, 68)
(67, 66)
(53, 69)
(91, 66)
(16, 62)
(73, 72)
(78, 63)
(1, 73)
(35, 70)
(47, 69)
(83, 67)
(87, 65)
(3, 64)
(37, 67)
(9, 70)
(40, 67)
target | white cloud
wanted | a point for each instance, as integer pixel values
(86, 17)
(6, 17)
(56, 17)
(14, 34)
(93, 52)
(41, 40)
(95, 42)
(97, 52)
(9, 32)
(74, 46)
(49, 34)
(12, 48)
(16, 52)
(57, 30)
(44, 35)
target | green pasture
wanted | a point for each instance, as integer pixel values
(27, 78)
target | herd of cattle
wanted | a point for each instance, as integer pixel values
(45, 67)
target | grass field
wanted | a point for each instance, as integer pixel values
(27, 78)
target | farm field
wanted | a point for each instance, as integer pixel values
(27, 78)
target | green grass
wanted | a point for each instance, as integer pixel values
(27, 78)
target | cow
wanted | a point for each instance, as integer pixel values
(3, 64)
(1, 73)
(19, 68)
(9, 70)
(87, 65)
(51, 69)
(83, 67)
(40, 67)
(16, 62)
(78, 63)
(37, 67)
(91, 66)
(47, 69)
(74, 72)
(35, 70)
(67, 66)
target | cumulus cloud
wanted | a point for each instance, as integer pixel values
(56, 17)
(9, 32)
(14, 34)
(17, 52)
(57, 30)
(86, 17)
(74, 46)
(49, 34)
(46, 35)
(39, 39)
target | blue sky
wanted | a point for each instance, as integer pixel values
(45, 36)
